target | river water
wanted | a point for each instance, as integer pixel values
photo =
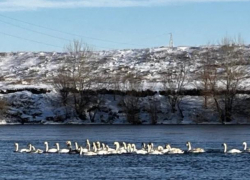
(214, 164)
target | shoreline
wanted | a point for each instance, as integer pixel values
(119, 124)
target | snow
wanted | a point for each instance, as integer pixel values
(34, 70)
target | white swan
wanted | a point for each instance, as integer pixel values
(245, 147)
(116, 150)
(174, 150)
(73, 151)
(89, 153)
(121, 150)
(141, 151)
(110, 150)
(21, 150)
(104, 146)
(29, 149)
(37, 151)
(124, 149)
(98, 146)
(47, 150)
(77, 147)
(130, 149)
(231, 150)
(143, 146)
(87, 144)
(87, 148)
(61, 150)
(154, 152)
(103, 150)
(194, 150)
(165, 150)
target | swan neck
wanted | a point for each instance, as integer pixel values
(134, 147)
(88, 146)
(94, 148)
(16, 147)
(149, 148)
(30, 147)
(57, 146)
(225, 148)
(245, 146)
(80, 150)
(76, 145)
(125, 145)
(189, 146)
(46, 147)
(117, 146)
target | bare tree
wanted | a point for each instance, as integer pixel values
(131, 101)
(227, 77)
(63, 83)
(152, 109)
(97, 98)
(174, 81)
(74, 77)
(206, 58)
(115, 82)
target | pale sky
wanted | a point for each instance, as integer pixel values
(49, 25)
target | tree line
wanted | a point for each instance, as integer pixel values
(218, 78)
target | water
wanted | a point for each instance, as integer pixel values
(211, 165)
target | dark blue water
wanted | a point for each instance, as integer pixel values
(211, 165)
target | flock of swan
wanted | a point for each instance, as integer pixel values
(98, 148)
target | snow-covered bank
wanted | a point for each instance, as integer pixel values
(26, 85)
(32, 108)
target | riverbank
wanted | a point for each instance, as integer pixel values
(124, 87)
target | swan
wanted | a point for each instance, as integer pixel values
(73, 151)
(21, 150)
(77, 147)
(87, 149)
(103, 150)
(89, 153)
(29, 149)
(47, 150)
(87, 144)
(98, 146)
(152, 151)
(231, 150)
(143, 146)
(61, 150)
(104, 146)
(194, 150)
(121, 150)
(129, 148)
(37, 151)
(116, 150)
(151, 145)
(245, 147)
(124, 148)
(164, 151)
(111, 150)
(141, 151)
(174, 150)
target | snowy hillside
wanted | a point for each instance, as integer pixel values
(25, 72)
(19, 69)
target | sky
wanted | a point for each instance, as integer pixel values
(50, 25)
